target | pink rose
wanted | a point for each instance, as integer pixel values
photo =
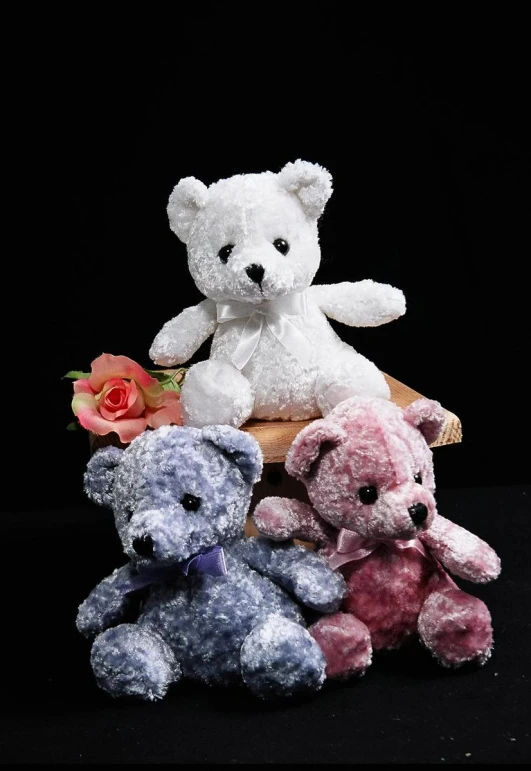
(120, 396)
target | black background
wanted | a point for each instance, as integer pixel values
(426, 137)
(424, 126)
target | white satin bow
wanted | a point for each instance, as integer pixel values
(275, 315)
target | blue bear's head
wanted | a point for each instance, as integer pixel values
(177, 490)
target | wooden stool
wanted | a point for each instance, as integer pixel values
(276, 436)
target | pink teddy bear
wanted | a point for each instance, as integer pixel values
(368, 471)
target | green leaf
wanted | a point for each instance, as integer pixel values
(171, 385)
(170, 379)
(158, 375)
(75, 374)
(74, 426)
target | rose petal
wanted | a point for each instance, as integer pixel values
(169, 411)
(127, 429)
(108, 366)
(84, 401)
(114, 382)
(85, 407)
(114, 404)
(135, 402)
(82, 387)
(131, 406)
(153, 396)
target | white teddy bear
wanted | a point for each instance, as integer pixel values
(253, 250)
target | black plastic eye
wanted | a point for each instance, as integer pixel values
(368, 494)
(190, 502)
(224, 252)
(418, 479)
(281, 246)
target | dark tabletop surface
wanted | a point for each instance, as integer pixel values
(405, 709)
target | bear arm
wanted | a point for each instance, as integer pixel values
(463, 553)
(106, 605)
(285, 518)
(180, 338)
(361, 304)
(300, 571)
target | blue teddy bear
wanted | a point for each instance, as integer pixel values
(216, 606)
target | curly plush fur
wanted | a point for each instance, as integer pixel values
(175, 492)
(253, 239)
(369, 475)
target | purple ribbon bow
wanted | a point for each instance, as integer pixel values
(210, 562)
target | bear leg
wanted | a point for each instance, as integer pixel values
(214, 392)
(280, 658)
(346, 644)
(348, 374)
(455, 627)
(129, 660)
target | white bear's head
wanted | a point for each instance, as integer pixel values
(252, 237)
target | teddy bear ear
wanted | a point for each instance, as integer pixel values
(428, 416)
(100, 473)
(310, 183)
(309, 444)
(240, 447)
(188, 197)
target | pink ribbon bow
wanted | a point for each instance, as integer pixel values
(351, 547)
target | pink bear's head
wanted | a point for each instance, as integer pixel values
(368, 468)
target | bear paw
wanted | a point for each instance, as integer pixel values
(280, 658)
(349, 376)
(346, 644)
(130, 661)
(456, 628)
(215, 392)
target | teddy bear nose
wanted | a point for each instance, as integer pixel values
(255, 273)
(418, 513)
(143, 546)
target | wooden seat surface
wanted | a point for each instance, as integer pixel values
(275, 436)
